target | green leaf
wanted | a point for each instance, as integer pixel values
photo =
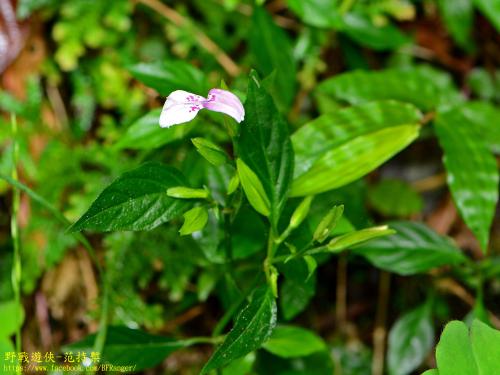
(194, 220)
(410, 340)
(184, 192)
(297, 289)
(395, 198)
(458, 16)
(338, 148)
(253, 326)
(170, 76)
(360, 28)
(11, 316)
(210, 238)
(484, 84)
(263, 39)
(486, 118)
(422, 86)
(472, 171)
(491, 9)
(131, 347)
(290, 342)
(346, 163)
(347, 240)
(300, 212)
(137, 200)
(414, 248)
(241, 366)
(210, 151)
(486, 348)
(318, 13)
(433, 371)
(253, 188)
(318, 363)
(265, 146)
(454, 351)
(331, 131)
(146, 133)
(6, 346)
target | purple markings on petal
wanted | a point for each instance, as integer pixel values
(226, 102)
(182, 106)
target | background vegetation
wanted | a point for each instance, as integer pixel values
(391, 109)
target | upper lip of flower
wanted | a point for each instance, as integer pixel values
(182, 106)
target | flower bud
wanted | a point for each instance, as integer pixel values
(328, 222)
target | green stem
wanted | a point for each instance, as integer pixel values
(14, 230)
(271, 250)
(314, 250)
(100, 338)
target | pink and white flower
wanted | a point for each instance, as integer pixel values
(182, 106)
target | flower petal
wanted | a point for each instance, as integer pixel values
(181, 106)
(226, 102)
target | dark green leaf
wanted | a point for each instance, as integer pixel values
(319, 13)
(170, 76)
(131, 347)
(395, 198)
(137, 200)
(362, 30)
(410, 340)
(491, 9)
(318, 363)
(264, 39)
(265, 146)
(472, 171)
(297, 289)
(422, 86)
(253, 326)
(247, 239)
(146, 133)
(26, 7)
(210, 238)
(458, 16)
(414, 248)
(484, 84)
(290, 341)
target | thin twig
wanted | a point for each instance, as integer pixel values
(452, 287)
(57, 104)
(179, 20)
(429, 183)
(14, 230)
(341, 293)
(380, 329)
